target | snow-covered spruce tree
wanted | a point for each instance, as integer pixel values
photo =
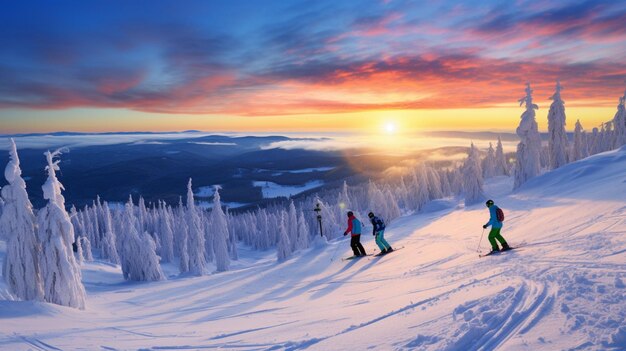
(502, 167)
(283, 251)
(263, 242)
(219, 229)
(557, 137)
(344, 198)
(418, 189)
(594, 142)
(166, 233)
(138, 251)
(472, 177)
(60, 272)
(619, 122)
(446, 188)
(85, 244)
(393, 210)
(292, 226)
(109, 240)
(232, 238)
(527, 164)
(303, 233)
(376, 200)
(434, 183)
(197, 263)
(579, 149)
(21, 269)
(489, 163)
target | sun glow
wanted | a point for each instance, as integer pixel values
(390, 128)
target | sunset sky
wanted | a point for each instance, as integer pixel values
(305, 65)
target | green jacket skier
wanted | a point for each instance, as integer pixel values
(496, 226)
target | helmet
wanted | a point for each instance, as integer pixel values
(370, 215)
(489, 203)
(350, 213)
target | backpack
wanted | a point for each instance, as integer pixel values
(499, 214)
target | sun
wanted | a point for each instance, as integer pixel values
(390, 127)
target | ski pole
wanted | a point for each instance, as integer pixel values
(480, 241)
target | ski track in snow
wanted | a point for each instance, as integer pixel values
(563, 290)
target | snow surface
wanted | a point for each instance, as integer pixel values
(564, 289)
(272, 190)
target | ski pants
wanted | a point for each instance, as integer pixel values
(381, 242)
(495, 234)
(357, 248)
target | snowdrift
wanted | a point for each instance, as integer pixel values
(562, 289)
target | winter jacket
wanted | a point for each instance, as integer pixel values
(378, 224)
(493, 218)
(354, 226)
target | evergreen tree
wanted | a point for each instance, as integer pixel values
(502, 166)
(109, 240)
(557, 137)
(489, 163)
(579, 149)
(219, 228)
(195, 235)
(60, 272)
(284, 246)
(303, 233)
(138, 251)
(527, 163)
(21, 269)
(472, 177)
(619, 122)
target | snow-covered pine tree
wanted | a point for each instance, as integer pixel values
(557, 137)
(434, 183)
(166, 233)
(21, 269)
(376, 200)
(263, 242)
(109, 240)
(232, 237)
(138, 251)
(60, 272)
(219, 228)
(284, 246)
(527, 164)
(502, 167)
(393, 210)
(489, 163)
(472, 177)
(303, 233)
(291, 223)
(619, 122)
(85, 244)
(579, 149)
(344, 198)
(195, 232)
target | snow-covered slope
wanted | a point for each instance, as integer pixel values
(563, 289)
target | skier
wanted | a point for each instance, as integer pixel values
(379, 232)
(354, 228)
(496, 226)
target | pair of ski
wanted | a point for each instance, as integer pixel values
(375, 255)
(491, 253)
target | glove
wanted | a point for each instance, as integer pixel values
(485, 226)
(345, 233)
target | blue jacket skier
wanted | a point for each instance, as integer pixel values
(354, 228)
(379, 233)
(496, 226)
